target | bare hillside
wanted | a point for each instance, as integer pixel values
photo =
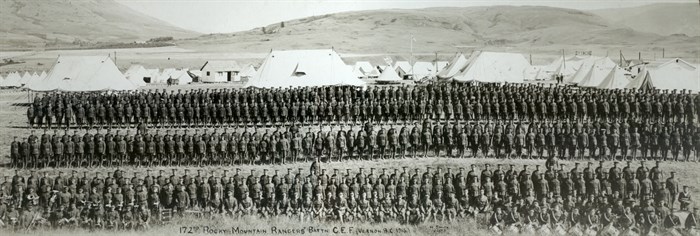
(663, 19)
(437, 29)
(38, 23)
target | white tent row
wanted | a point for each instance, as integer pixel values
(600, 65)
(494, 67)
(303, 68)
(15, 79)
(673, 74)
(364, 69)
(82, 73)
(12, 80)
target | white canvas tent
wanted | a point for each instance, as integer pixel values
(83, 73)
(440, 65)
(535, 73)
(422, 69)
(155, 74)
(597, 73)
(12, 80)
(495, 67)
(303, 68)
(585, 64)
(674, 74)
(403, 68)
(616, 79)
(137, 74)
(26, 78)
(458, 63)
(388, 76)
(563, 66)
(248, 72)
(363, 69)
(181, 76)
(42, 75)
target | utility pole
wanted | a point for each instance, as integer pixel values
(620, 57)
(563, 57)
(663, 52)
(115, 57)
(410, 60)
(436, 62)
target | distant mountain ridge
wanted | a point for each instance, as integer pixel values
(439, 29)
(661, 18)
(44, 24)
(38, 23)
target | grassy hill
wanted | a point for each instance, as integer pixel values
(442, 30)
(38, 24)
(662, 18)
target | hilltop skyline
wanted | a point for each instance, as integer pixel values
(225, 16)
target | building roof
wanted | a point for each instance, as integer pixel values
(221, 66)
(83, 73)
(303, 68)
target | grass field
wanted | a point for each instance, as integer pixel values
(13, 123)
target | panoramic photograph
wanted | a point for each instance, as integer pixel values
(350, 117)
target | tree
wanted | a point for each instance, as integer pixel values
(282, 24)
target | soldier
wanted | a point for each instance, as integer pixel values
(685, 199)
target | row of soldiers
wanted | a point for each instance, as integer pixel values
(442, 101)
(565, 140)
(390, 195)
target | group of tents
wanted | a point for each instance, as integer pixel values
(489, 67)
(604, 73)
(313, 68)
(400, 70)
(17, 80)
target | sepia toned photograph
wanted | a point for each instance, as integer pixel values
(350, 117)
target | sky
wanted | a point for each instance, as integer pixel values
(224, 16)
